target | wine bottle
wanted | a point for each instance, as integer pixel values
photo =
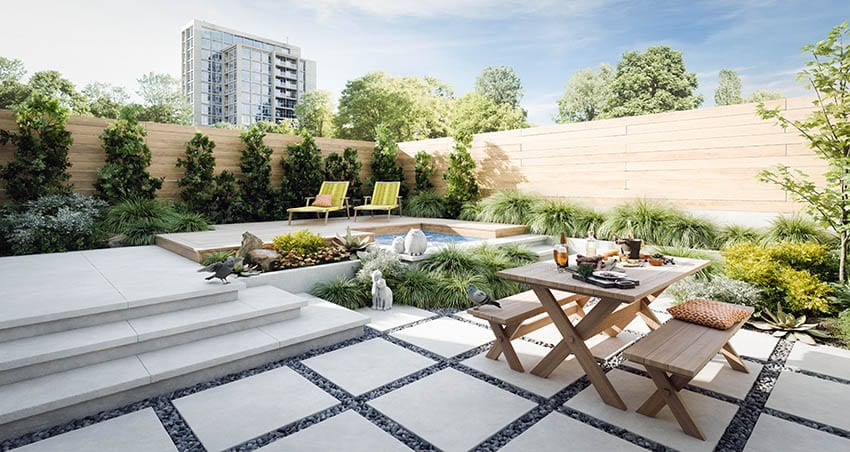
(590, 246)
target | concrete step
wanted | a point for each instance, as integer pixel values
(57, 398)
(76, 317)
(34, 356)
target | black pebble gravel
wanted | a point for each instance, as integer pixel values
(734, 438)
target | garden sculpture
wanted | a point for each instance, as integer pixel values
(398, 245)
(415, 242)
(220, 270)
(382, 296)
(479, 298)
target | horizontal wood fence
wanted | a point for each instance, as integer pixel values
(167, 143)
(705, 159)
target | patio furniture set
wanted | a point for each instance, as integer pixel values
(333, 197)
(673, 352)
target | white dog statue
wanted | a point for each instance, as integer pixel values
(398, 245)
(382, 296)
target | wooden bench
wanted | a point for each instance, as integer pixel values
(519, 315)
(673, 355)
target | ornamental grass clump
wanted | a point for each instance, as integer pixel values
(553, 216)
(425, 204)
(795, 228)
(510, 207)
(732, 234)
(349, 293)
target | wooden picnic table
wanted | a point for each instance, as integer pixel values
(615, 309)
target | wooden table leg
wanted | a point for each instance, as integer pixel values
(503, 345)
(733, 358)
(572, 341)
(646, 313)
(677, 406)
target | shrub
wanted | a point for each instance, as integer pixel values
(375, 258)
(322, 255)
(139, 219)
(255, 186)
(423, 169)
(345, 167)
(451, 289)
(54, 223)
(415, 287)
(302, 172)
(451, 259)
(225, 204)
(718, 288)
(691, 231)
(795, 228)
(349, 293)
(843, 326)
(39, 165)
(425, 204)
(301, 242)
(216, 256)
(786, 272)
(511, 207)
(519, 255)
(197, 184)
(660, 224)
(187, 222)
(125, 173)
(732, 234)
(469, 211)
(553, 216)
(461, 180)
(385, 165)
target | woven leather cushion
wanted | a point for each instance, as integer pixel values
(323, 201)
(710, 313)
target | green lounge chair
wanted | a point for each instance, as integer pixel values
(384, 197)
(339, 201)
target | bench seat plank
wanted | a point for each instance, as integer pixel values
(519, 307)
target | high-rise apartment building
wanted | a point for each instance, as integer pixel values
(239, 78)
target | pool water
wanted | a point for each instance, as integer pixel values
(434, 238)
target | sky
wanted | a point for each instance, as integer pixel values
(545, 41)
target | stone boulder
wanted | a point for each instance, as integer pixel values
(268, 260)
(250, 242)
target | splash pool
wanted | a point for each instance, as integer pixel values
(434, 238)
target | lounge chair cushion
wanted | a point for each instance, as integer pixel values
(323, 201)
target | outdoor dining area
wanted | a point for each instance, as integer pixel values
(672, 354)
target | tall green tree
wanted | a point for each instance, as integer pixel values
(345, 167)
(162, 100)
(12, 91)
(728, 90)
(413, 108)
(39, 166)
(124, 174)
(652, 82)
(385, 165)
(761, 95)
(474, 113)
(585, 94)
(501, 84)
(197, 184)
(460, 177)
(315, 113)
(302, 171)
(105, 100)
(255, 185)
(827, 130)
(52, 84)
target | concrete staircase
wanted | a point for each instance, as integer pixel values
(60, 367)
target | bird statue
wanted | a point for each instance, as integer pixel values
(220, 270)
(479, 298)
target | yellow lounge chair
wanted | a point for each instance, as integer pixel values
(384, 197)
(339, 201)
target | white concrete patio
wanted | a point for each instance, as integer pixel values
(418, 380)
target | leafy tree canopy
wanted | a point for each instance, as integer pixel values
(52, 84)
(652, 82)
(315, 112)
(761, 95)
(162, 100)
(12, 91)
(585, 94)
(411, 107)
(728, 90)
(501, 84)
(105, 100)
(474, 113)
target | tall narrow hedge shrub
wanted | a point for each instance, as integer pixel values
(255, 184)
(197, 184)
(125, 174)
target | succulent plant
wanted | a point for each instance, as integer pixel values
(787, 326)
(351, 242)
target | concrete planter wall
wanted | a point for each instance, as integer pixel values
(303, 279)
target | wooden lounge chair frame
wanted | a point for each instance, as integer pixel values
(384, 197)
(338, 192)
